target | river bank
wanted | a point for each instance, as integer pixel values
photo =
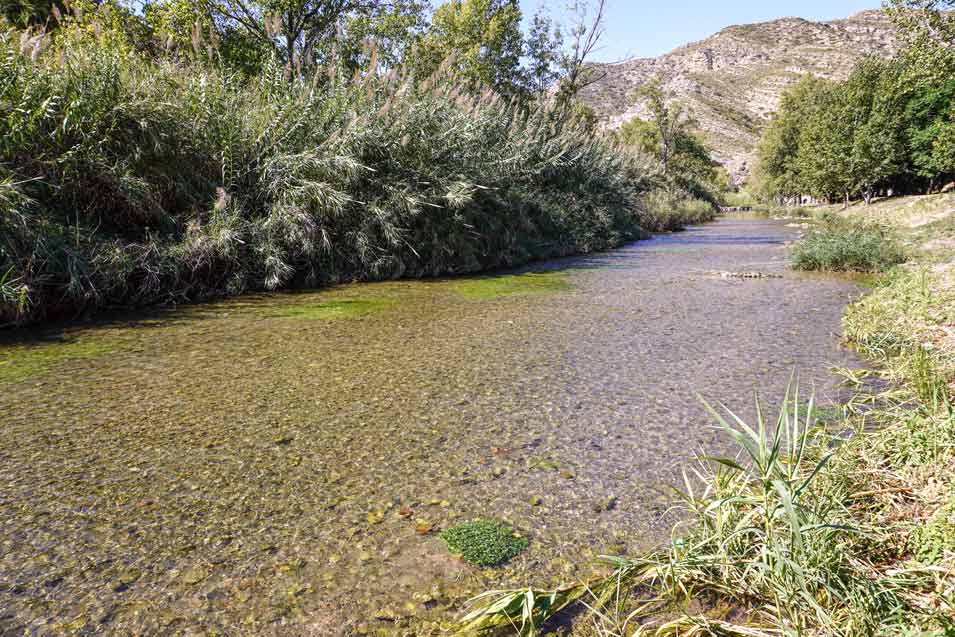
(842, 527)
(282, 464)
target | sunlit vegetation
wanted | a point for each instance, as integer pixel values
(692, 181)
(790, 535)
(484, 542)
(197, 149)
(889, 128)
(848, 245)
(338, 309)
(836, 521)
(20, 362)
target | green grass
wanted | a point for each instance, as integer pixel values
(790, 536)
(492, 287)
(844, 245)
(936, 536)
(20, 362)
(339, 309)
(484, 542)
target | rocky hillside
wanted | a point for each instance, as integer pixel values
(731, 82)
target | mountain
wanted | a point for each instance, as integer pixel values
(731, 82)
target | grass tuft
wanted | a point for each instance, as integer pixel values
(843, 245)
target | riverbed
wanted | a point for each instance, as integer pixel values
(281, 464)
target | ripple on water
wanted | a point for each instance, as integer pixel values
(250, 466)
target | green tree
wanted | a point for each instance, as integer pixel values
(825, 143)
(669, 136)
(29, 13)
(186, 28)
(392, 29)
(873, 111)
(777, 172)
(298, 31)
(543, 51)
(927, 31)
(930, 122)
(669, 120)
(483, 41)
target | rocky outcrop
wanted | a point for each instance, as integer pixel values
(731, 82)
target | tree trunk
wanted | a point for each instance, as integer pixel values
(846, 205)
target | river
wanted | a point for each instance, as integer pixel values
(255, 466)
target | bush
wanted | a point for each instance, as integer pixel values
(667, 211)
(842, 245)
(127, 180)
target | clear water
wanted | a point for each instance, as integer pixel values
(247, 468)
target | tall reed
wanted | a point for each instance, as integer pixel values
(127, 179)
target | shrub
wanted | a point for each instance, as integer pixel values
(484, 542)
(129, 180)
(667, 211)
(843, 245)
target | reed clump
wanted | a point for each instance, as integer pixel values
(129, 179)
(848, 245)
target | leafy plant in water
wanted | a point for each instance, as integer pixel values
(484, 542)
(494, 286)
(338, 309)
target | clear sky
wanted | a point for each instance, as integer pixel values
(640, 28)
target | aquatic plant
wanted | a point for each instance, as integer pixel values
(484, 542)
(847, 245)
(494, 286)
(19, 362)
(337, 309)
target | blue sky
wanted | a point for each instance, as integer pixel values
(640, 28)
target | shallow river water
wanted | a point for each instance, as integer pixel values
(258, 467)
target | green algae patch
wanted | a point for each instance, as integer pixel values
(484, 542)
(492, 287)
(337, 310)
(20, 362)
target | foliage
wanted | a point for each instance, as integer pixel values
(482, 39)
(688, 169)
(784, 533)
(484, 542)
(543, 49)
(666, 211)
(927, 31)
(130, 180)
(844, 245)
(936, 537)
(889, 127)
